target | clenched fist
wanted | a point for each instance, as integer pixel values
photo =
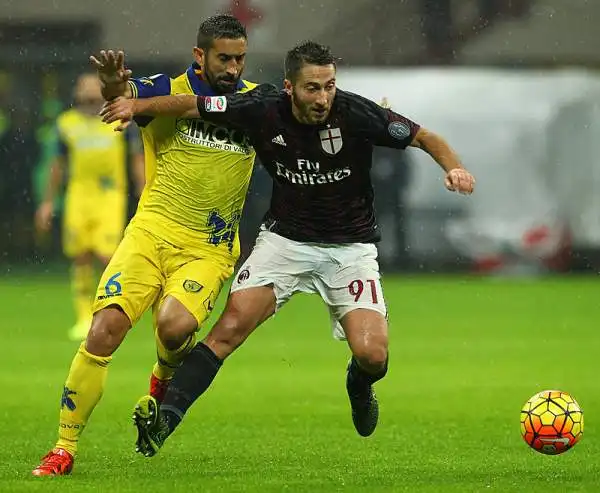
(460, 180)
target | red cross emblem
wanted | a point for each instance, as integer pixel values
(331, 140)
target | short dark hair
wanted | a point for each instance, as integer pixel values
(307, 53)
(218, 27)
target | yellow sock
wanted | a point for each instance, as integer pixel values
(168, 361)
(82, 284)
(83, 389)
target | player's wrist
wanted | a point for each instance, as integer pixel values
(453, 167)
(136, 106)
(112, 89)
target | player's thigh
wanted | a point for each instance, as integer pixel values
(132, 279)
(195, 284)
(279, 263)
(109, 223)
(352, 282)
(249, 307)
(76, 238)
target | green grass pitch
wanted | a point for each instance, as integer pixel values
(466, 353)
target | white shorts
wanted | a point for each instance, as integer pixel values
(346, 276)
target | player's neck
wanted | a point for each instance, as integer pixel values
(298, 115)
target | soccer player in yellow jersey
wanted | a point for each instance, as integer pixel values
(93, 160)
(182, 243)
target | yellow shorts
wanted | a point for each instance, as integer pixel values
(145, 270)
(93, 222)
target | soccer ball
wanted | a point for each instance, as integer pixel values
(551, 422)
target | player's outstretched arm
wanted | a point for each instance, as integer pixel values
(182, 105)
(385, 127)
(112, 74)
(457, 179)
(124, 110)
(244, 110)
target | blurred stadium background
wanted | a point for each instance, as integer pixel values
(513, 84)
(514, 88)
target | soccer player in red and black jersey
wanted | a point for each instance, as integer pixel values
(319, 233)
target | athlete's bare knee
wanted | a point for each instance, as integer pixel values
(174, 333)
(109, 327)
(367, 335)
(371, 347)
(372, 356)
(175, 324)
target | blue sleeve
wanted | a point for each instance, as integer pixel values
(133, 141)
(128, 134)
(147, 87)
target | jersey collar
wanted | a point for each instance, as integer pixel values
(200, 86)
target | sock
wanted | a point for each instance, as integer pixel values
(168, 361)
(358, 376)
(191, 380)
(82, 391)
(82, 284)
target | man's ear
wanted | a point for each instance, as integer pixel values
(199, 55)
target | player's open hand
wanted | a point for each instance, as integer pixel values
(111, 67)
(43, 217)
(119, 109)
(460, 180)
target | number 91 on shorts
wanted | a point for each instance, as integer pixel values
(345, 276)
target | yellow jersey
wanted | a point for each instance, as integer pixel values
(197, 173)
(95, 154)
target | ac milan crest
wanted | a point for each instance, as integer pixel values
(331, 140)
